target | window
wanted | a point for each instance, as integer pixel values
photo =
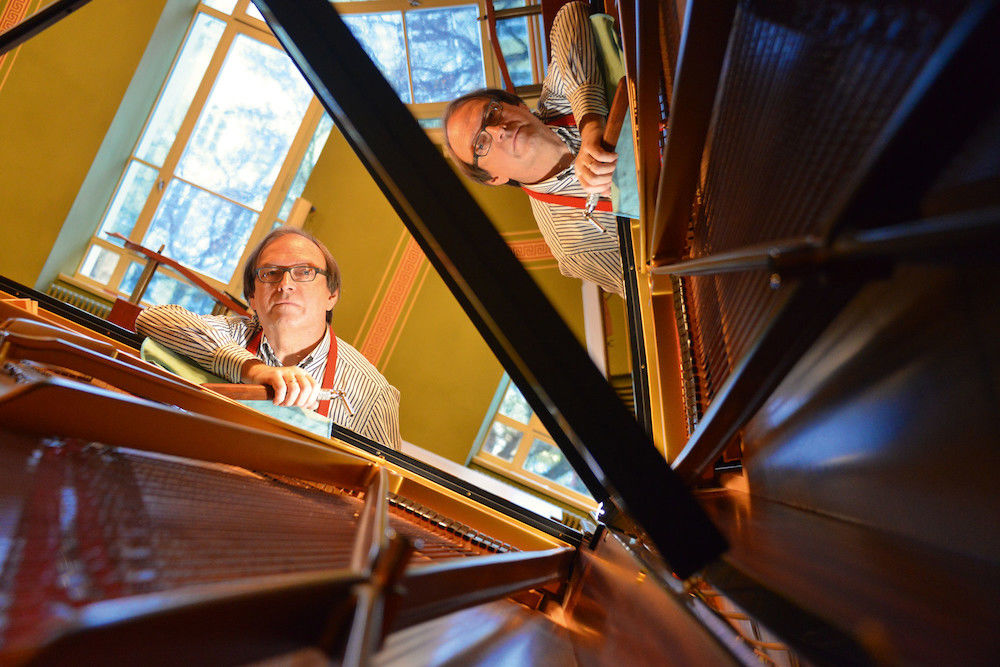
(194, 185)
(197, 186)
(432, 51)
(514, 443)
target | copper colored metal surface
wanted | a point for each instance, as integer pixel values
(371, 536)
(95, 523)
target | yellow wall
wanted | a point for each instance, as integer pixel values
(61, 91)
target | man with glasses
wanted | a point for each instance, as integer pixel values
(292, 284)
(555, 154)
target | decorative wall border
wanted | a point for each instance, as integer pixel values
(531, 250)
(13, 12)
(393, 300)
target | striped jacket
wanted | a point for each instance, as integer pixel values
(218, 344)
(574, 85)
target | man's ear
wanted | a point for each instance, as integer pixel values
(496, 180)
(334, 298)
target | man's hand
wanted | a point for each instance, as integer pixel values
(291, 384)
(594, 164)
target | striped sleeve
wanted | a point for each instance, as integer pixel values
(375, 402)
(214, 342)
(574, 74)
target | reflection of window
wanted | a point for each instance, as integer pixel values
(519, 50)
(435, 50)
(514, 443)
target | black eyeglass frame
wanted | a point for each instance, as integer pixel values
(494, 104)
(290, 270)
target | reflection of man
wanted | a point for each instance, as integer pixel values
(494, 139)
(288, 344)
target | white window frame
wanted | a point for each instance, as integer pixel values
(514, 469)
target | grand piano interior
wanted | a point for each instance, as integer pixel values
(806, 476)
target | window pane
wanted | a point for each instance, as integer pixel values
(164, 289)
(513, 36)
(428, 123)
(446, 53)
(381, 36)
(502, 441)
(514, 405)
(247, 125)
(180, 89)
(129, 200)
(224, 6)
(202, 231)
(99, 264)
(546, 460)
(253, 12)
(308, 162)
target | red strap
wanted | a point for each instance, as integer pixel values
(565, 120)
(569, 200)
(253, 346)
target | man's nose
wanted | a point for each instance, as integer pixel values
(499, 130)
(286, 280)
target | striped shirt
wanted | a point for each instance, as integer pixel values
(218, 344)
(574, 85)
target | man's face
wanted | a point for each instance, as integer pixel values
(522, 145)
(286, 303)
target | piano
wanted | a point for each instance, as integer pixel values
(812, 294)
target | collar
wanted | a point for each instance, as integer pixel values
(321, 349)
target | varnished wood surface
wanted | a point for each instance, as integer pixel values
(121, 420)
(622, 615)
(13, 307)
(498, 633)
(613, 614)
(904, 602)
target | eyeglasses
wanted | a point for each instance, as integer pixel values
(492, 116)
(303, 273)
